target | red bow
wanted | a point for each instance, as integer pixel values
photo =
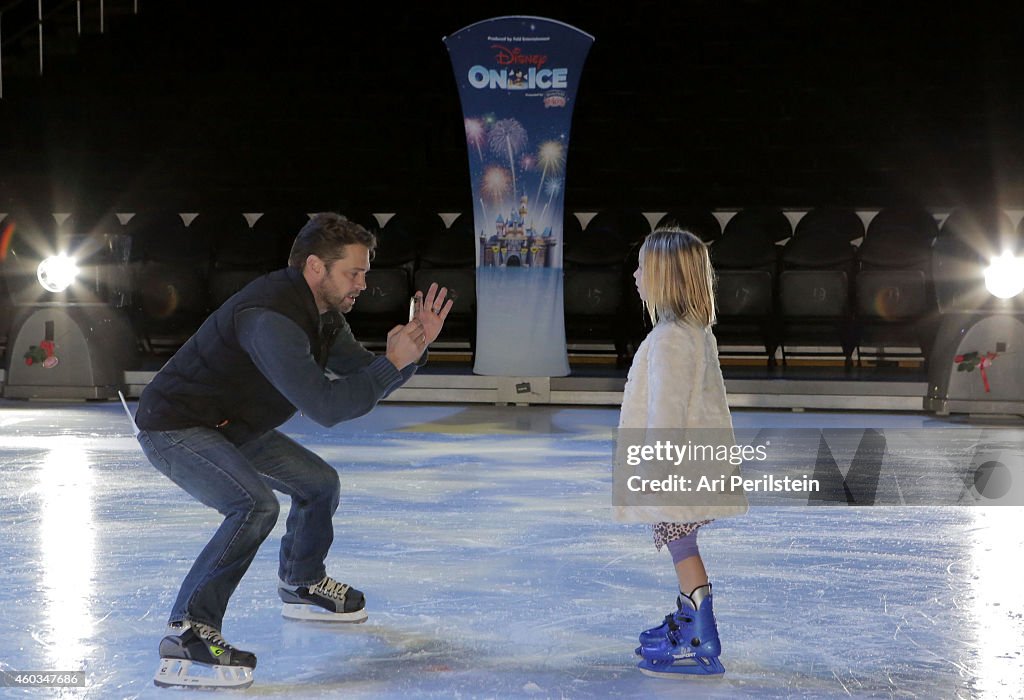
(969, 360)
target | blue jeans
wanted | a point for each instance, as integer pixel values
(237, 481)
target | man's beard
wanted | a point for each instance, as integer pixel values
(336, 302)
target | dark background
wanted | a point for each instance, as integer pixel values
(323, 105)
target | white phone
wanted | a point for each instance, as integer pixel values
(415, 302)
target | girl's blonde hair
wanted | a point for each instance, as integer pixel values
(677, 277)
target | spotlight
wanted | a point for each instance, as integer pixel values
(70, 337)
(1004, 277)
(975, 364)
(57, 272)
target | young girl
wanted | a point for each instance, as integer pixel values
(676, 383)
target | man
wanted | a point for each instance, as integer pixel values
(208, 422)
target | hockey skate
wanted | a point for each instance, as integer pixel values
(199, 657)
(324, 601)
(691, 646)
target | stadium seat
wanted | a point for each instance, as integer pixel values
(746, 260)
(817, 271)
(894, 299)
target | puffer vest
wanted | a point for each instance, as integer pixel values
(211, 381)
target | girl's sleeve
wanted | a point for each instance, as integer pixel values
(674, 368)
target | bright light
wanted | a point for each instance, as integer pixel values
(67, 553)
(1004, 278)
(982, 590)
(57, 272)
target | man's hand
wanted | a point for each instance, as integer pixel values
(432, 311)
(406, 344)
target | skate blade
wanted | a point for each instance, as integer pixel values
(182, 673)
(699, 668)
(314, 613)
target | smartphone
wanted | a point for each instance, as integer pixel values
(415, 302)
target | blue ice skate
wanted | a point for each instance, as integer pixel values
(691, 646)
(654, 635)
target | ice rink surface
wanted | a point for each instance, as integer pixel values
(483, 539)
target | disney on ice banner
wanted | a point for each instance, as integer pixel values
(517, 79)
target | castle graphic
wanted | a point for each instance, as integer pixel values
(514, 244)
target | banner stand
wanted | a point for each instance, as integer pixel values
(517, 80)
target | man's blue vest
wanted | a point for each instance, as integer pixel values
(211, 381)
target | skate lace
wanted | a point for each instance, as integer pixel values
(211, 635)
(331, 588)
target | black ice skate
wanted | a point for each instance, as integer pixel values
(200, 658)
(326, 601)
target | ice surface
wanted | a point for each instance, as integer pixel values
(484, 541)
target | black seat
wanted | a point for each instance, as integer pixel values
(746, 261)
(361, 216)
(238, 254)
(278, 227)
(700, 222)
(817, 271)
(100, 220)
(449, 259)
(625, 225)
(594, 279)
(401, 236)
(894, 299)
(171, 275)
(634, 227)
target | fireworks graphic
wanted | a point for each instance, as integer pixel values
(552, 190)
(552, 159)
(475, 135)
(483, 210)
(507, 136)
(496, 182)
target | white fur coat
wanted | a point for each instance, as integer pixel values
(676, 383)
